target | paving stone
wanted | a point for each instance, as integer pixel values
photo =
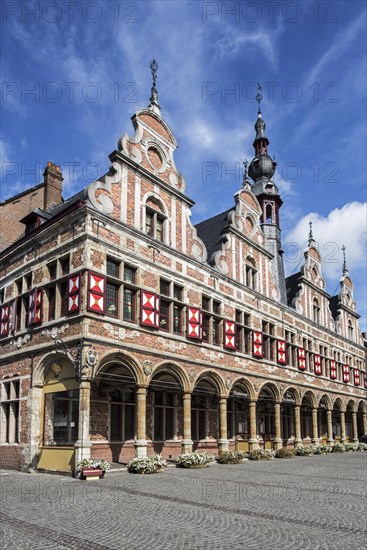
(308, 503)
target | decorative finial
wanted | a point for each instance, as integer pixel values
(259, 97)
(154, 105)
(345, 269)
(310, 235)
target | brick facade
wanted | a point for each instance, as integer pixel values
(122, 267)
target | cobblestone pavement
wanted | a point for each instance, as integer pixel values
(305, 503)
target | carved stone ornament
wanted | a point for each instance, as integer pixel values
(147, 367)
(228, 383)
(91, 357)
(212, 355)
(192, 375)
(171, 345)
(55, 331)
(20, 341)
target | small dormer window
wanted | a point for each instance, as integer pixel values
(316, 310)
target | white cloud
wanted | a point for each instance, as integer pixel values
(343, 226)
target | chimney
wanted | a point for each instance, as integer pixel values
(53, 185)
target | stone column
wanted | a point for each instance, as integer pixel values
(315, 428)
(330, 439)
(223, 441)
(186, 444)
(141, 437)
(278, 442)
(253, 441)
(297, 418)
(355, 428)
(342, 427)
(83, 445)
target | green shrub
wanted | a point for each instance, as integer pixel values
(285, 453)
(147, 465)
(307, 450)
(261, 454)
(338, 448)
(231, 457)
(196, 459)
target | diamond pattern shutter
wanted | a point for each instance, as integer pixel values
(230, 329)
(356, 377)
(281, 352)
(4, 320)
(74, 293)
(346, 374)
(13, 323)
(257, 344)
(149, 309)
(31, 307)
(96, 293)
(318, 369)
(37, 318)
(194, 323)
(332, 370)
(301, 359)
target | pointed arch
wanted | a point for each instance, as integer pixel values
(215, 378)
(310, 396)
(175, 370)
(295, 393)
(272, 388)
(121, 358)
(339, 404)
(325, 398)
(351, 405)
(246, 384)
(362, 406)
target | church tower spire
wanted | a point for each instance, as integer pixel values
(261, 170)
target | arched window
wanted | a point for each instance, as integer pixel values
(155, 220)
(251, 273)
(316, 310)
(350, 330)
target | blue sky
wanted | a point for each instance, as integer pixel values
(87, 64)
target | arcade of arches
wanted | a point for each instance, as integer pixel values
(130, 415)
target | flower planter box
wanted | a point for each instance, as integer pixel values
(91, 474)
(192, 466)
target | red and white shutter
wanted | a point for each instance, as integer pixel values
(301, 359)
(13, 323)
(149, 309)
(4, 320)
(257, 344)
(356, 377)
(230, 330)
(318, 369)
(365, 380)
(96, 293)
(31, 307)
(74, 293)
(281, 352)
(332, 370)
(346, 373)
(194, 323)
(37, 318)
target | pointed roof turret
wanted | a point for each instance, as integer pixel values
(262, 167)
(345, 269)
(154, 105)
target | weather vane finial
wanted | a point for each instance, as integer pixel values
(345, 269)
(310, 235)
(259, 96)
(154, 105)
